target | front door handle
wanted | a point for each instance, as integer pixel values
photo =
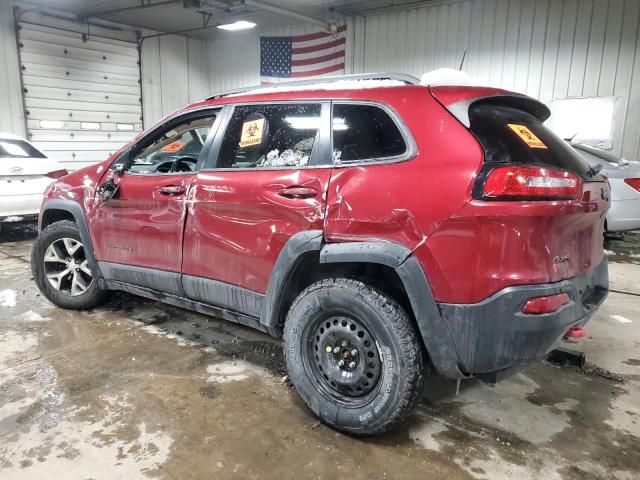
(171, 190)
(297, 192)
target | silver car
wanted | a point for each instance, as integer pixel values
(624, 177)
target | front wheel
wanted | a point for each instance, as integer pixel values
(61, 269)
(354, 356)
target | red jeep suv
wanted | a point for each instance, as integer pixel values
(379, 226)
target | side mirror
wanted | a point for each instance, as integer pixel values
(118, 169)
(108, 190)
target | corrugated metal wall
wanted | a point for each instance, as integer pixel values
(174, 72)
(545, 48)
(548, 49)
(235, 61)
(11, 109)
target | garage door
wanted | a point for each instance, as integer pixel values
(82, 98)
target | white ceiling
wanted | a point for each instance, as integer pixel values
(173, 16)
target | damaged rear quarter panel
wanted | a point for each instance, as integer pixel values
(405, 201)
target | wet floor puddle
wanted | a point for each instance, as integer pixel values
(138, 389)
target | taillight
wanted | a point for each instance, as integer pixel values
(530, 183)
(546, 304)
(57, 173)
(633, 182)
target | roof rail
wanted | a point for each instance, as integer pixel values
(402, 77)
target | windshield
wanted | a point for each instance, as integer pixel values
(18, 149)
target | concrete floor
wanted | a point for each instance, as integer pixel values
(138, 389)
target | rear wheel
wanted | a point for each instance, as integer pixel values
(61, 268)
(354, 356)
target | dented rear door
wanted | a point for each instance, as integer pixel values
(259, 193)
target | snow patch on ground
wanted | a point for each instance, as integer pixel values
(7, 298)
(183, 342)
(621, 319)
(13, 219)
(232, 371)
(31, 316)
(609, 252)
(425, 434)
(495, 468)
(539, 425)
(71, 449)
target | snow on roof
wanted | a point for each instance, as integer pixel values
(337, 85)
(451, 77)
(438, 77)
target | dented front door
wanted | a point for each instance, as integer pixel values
(142, 225)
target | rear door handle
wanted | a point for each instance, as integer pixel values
(297, 192)
(171, 190)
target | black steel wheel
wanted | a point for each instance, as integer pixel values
(343, 357)
(353, 355)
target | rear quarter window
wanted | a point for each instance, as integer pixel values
(510, 135)
(365, 132)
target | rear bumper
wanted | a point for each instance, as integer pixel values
(624, 215)
(493, 335)
(20, 205)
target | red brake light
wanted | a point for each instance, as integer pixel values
(634, 182)
(57, 173)
(547, 304)
(535, 183)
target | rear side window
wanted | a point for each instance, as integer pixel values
(18, 149)
(270, 136)
(364, 132)
(510, 135)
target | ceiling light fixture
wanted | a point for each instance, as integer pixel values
(237, 25)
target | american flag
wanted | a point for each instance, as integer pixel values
(302, 56)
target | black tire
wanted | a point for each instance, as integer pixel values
(75, 298)
(341, 396)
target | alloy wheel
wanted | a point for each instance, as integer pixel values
(66, 267)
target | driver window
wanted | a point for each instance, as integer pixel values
(175, 149)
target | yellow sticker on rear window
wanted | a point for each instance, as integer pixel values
(252, 132)
(527, 135)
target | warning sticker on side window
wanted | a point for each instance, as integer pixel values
(252, 132)
(173, 147)
(527, 136)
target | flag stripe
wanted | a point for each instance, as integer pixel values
(318, 66)
(305, 56)
(317, 35)
(313, 60)
(317, 48)
(320, 71)
(302, 56)
(316, 43)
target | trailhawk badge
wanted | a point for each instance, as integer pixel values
(561, 258)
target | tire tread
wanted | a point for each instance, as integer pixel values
(403, 329)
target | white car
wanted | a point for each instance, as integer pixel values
(624, 177)
(25, 172)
